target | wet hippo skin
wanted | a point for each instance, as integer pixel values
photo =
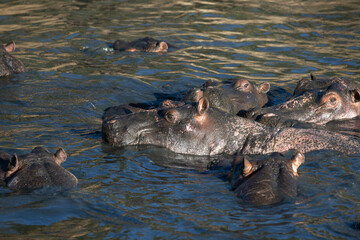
(146, 44)
(198, 129)
(9, 64)
(37, 169)
(265, 181)
(315, 101)
(232, 96)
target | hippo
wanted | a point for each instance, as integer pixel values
(8, 63)
(126, 109)
(265, 181)
(315, 101)
(146, 44)
(198, 129)
(37, 169)
(233, 95)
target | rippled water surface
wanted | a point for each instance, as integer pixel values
(145, 193)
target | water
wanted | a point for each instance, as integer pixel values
(146, 193)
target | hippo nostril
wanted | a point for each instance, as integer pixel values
(356, 95)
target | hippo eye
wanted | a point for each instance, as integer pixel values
(171, 116)
(331, 99)
(242, 85)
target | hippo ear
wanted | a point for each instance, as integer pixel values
(312, 76)
(60, 156)
(296, 161)
(264, 88)
(163, 47)
(14, 162)
(203, 105)
(355, 95)
(13, 165)
(248, 167)
(10, 47)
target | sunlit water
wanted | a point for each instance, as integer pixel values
(145, 193)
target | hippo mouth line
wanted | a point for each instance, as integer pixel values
(315, 120)
(238, 99)
(141, 136)
(319, 116)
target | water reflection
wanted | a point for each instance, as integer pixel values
(149, 193)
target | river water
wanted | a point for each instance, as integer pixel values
(148, 192)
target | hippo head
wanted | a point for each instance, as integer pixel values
(192, 129)
(232, 96)
(152, 45)
(146, 44)
(8, 63)
(339, 100)
(265, 181)
(35, 170)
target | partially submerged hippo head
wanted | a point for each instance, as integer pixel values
(37, 169)
(187, 129)
(265, 181)
(232, 96)
(146, 44)
(8, 63)
(317, 101)
(198, 129)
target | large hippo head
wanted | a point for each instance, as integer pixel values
(8, 63)
(233, 95)
(146, 44)
(265, 181)
(35, 170)
(317, 101)
(195, 129)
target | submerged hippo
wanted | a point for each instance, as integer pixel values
(316, 101)
(265, 181)
(203, 130)
(8, 63)
(35, 170)
(231, 96)
(146, 44)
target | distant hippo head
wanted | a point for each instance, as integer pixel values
(232, 96)
(146, 44)
(265, 181)
(318, 101)
(35, 170)
(8, 63)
